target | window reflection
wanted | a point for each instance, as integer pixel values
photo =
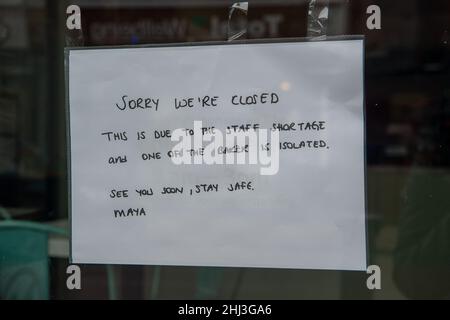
(407, 114)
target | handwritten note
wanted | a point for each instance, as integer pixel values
(132, 202)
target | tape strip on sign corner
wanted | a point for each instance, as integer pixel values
(243, 154)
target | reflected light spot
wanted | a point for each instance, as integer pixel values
(285, 86)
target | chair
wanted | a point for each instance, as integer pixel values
(24, 267)
(24, 260)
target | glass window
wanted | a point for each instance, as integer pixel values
(407, 145)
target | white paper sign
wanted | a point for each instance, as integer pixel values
(131, 204)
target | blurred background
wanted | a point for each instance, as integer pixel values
(407, 83)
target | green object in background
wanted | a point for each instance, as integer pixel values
(24, 271)
(209, 280)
